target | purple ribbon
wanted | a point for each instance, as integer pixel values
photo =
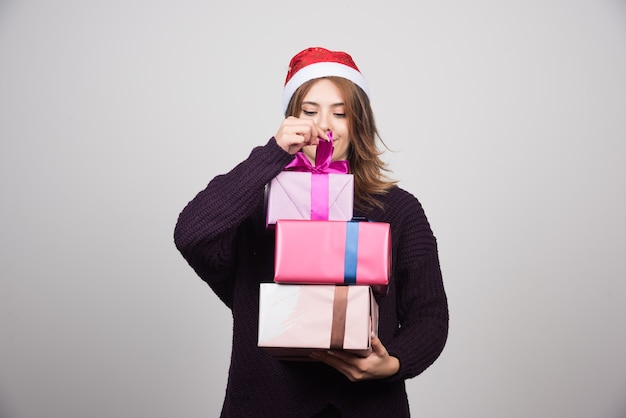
(319, 175)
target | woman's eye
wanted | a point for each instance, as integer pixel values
(340, 115)
(308, 113)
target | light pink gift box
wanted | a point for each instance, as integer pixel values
(333, 252)
(295, 320)
(289, 196)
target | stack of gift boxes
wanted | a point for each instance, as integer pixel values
(328, 266)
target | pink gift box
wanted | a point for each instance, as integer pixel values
(333, 252)
(305, 195)
(295, 320)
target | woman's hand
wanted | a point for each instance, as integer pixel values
(378, 365)
(295, 133)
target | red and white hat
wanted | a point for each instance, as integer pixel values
(320, 62)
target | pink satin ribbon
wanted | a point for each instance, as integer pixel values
(319, 175)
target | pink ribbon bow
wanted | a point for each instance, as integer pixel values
(323, 163)
(319, 175)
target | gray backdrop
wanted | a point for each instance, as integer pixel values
(506, 119)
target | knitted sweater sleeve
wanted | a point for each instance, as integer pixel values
(205, 232)
(421, 302)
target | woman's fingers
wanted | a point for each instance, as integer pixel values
(295, 133)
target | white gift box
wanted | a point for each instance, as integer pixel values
(295, 320)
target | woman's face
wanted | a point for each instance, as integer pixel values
(324, 104)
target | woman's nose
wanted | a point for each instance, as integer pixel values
(324, 122)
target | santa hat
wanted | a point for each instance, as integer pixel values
(320, 62)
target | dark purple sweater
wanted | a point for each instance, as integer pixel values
(222, 235)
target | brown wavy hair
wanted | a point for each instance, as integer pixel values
(371, 175)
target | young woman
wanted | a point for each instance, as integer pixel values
(223, 236)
